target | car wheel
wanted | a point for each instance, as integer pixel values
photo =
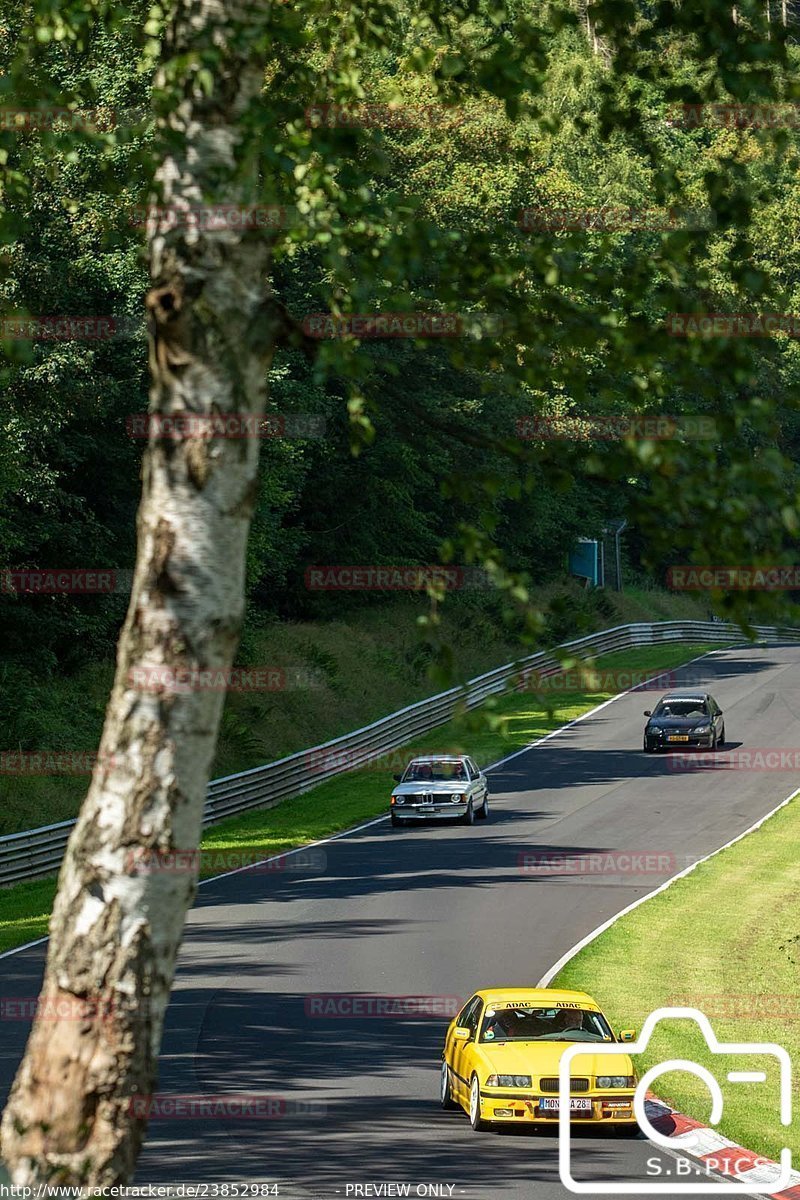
(714, 742)
(721, 738)
(469, 816)
(445, 1095)
(483, 811)
(475, 1106)
(647, 749)
(396, 821)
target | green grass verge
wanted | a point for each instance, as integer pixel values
(724, 939)
(513, 722)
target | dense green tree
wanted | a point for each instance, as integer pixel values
(407, 218)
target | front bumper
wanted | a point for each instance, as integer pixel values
(429, 812)
(607, 1109)
(696, 741)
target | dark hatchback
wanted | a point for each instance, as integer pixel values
(684, 719)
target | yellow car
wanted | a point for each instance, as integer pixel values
(502, 1052)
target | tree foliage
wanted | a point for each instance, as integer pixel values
(499, 108)
(422, 453)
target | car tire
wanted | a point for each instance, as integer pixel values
(647, 749)
(721, 738)
(714, 742)
(469, 816)
(397, 822)
(475, 1119)
(445, 1094)
(483, 811)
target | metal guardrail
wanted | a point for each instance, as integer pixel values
(36, 853)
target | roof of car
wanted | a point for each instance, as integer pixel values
(439, 758)
(687, 695)
(534, 995)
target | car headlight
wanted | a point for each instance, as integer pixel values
(615, 1081)
(509, 1081)
(399, 799)
(457, 798)
(702, 729)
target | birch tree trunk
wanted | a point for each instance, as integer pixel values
(115, 933)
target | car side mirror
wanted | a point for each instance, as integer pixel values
(397, 778)
(461, 1034)
(719, 712)
(627, 1035)
(648, 712)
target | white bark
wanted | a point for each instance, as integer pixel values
(115, 934)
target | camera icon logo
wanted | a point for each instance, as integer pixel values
(685, 1141)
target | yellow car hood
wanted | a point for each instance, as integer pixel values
(543, 1058)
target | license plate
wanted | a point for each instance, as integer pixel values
(576, 1104)
(677, 737)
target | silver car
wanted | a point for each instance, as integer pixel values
(438, 787)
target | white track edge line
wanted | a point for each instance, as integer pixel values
(377, 820)
(493, 766)
(590, 937)
(592, 711)
(27, 946)
(586, 941)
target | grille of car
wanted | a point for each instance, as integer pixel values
(428, 798)
(575, 1085)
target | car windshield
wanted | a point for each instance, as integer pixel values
(428, 772)
(681, 708)
(523, 1024)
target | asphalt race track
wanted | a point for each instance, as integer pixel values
(433, 911)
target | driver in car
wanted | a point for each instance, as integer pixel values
(565, 1020)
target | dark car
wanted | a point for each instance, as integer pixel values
(684, 719)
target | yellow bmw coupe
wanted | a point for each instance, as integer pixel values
(501, 1057)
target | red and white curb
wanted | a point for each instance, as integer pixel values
(719, 1154)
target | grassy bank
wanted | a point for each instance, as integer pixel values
(339, 675)
(518, 719)
(725, 940)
